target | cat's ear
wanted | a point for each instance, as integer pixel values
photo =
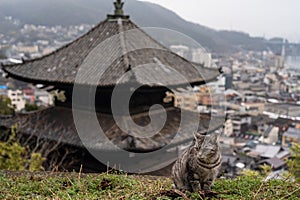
(214, 137)
(198, 136)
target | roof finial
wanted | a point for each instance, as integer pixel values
(119, 13)
(119, 8)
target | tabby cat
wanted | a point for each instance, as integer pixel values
(197, 168)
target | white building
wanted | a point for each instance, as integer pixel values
(201, 56)
(43, 98)
(270, 136)
(228, 128)
(181, 50)
(17, 99)
(218, 86)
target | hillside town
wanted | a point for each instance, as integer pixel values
(260, 93)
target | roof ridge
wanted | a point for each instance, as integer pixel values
(123, 46)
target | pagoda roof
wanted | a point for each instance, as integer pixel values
(57, 124)
(62, 66)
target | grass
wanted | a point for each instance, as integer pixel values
(121, 187)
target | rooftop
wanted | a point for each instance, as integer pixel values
(274, 162)
(57, 124)
(292, 132)
(284, 109)
(267, 151)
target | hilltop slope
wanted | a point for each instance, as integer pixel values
(72, 12)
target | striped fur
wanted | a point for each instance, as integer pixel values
(198, 166)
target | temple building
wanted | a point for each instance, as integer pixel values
(53, 132)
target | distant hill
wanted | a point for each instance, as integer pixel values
(72, 12)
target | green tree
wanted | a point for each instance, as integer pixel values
(6, 107)
(31, 107)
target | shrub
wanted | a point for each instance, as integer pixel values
(294, 162)
(31, 107)
(250, 173)
(6, 107)
(15, 157)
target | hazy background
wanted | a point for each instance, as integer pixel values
(267, 21)
(268, 18)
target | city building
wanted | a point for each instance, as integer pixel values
(292, 135)
(290, 86)
(27, 49)
(17, 99)
(181, 50)
(270, 136)
(240, 123)
(283, 110)
(29, 95)
(202, 56)
(228, 128)
(43, 98)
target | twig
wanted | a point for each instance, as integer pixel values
(107, 168)
(285, 197)
(181, 194)
(258, 189)
(79, 176)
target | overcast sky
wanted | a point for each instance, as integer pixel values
(267, 18)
